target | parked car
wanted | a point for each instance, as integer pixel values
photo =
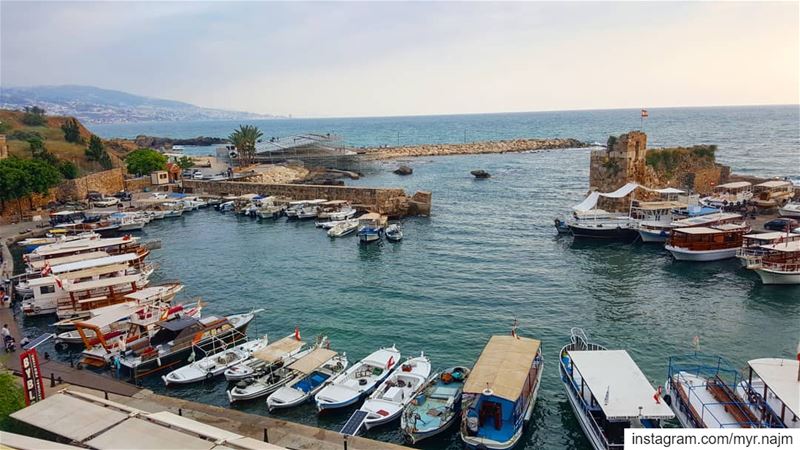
(197, 175)
(93, 196)
(105, 202)
(123, 196)
(781, 224)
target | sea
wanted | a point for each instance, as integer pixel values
(486, 258)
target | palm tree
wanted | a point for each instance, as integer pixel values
(245, 139)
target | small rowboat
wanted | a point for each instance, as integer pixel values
(437, 407)
(214, 365)
(314, 371)
(359, 380)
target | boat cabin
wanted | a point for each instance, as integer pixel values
(718, 237)
(66, 217)
(775, 382)
(772, 193)
(755, 246)
(500, 392)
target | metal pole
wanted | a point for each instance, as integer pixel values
(266, 435)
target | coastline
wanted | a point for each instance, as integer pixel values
(470, 148)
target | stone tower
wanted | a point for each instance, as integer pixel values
(3, 147)
(622, 162)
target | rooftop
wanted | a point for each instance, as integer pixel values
(781, 377)
(503, 367)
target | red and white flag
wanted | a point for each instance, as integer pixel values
(390, 362)
(644, 113)
(46, 270)
(297, 333)
(59, 283)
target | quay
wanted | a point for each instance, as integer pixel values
(469, 148)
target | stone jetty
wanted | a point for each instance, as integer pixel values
(470, 148)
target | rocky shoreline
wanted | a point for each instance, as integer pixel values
(471, 148)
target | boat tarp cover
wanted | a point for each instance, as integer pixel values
(106, 318)
(143, 434)
(620, 387)
(313, 360)
(152, 291)
(101, 283)
(278, 349)
(503, 367)
(104, 270)
(590, 201)
(39, 264)
(70, 417)
(780, 375)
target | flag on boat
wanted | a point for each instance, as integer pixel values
(657, 395)
(644, 113)
(127, 237)
(297, 333)
(59, 283)
(390, 362)
(696, 342)
(46, 269)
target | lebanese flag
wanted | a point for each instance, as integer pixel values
(390, 362)
(59, 283)
(644, 113)
(46, 270)
(127, 237)
(297, 333)
(514, 333)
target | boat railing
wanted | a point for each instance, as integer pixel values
(769, 418)
(781, 266)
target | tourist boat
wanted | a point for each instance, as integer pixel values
(772, 194)
(274, 375)
(706, 243)
(370, 227)
(275, 354)
(386, 403)
(654, 219)
(773, 384)
(394, 233)
(35, 260)
(780, 264)
(437, 407)
(790, 210)
(737, 193)
(612, 227)
(753, 246)
(343, 228)
(501, 391)
(358, 381)
(608, 392)
(313, 371)
(217, 361)
(52, 237)
(702, 392)
(336, 210)
(174, 340)
(66, 217)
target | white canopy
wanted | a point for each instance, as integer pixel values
(590, 201)
(96, 262)
(774, 184)
(309, 363)
(111, 315)
(82, 245)
(781, 377)
(101, 283)
(618, 385)
(734, 185)
(39, 264)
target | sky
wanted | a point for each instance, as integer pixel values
(339, 59)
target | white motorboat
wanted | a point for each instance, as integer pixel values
(214, 364)
(270, 211)
(274, 354)
(329, 224)
(370, 228)
(314, 370)
(395, 392)
(780, 263)
(393, 233)
(359, 380)
(336, 210)
(343, 228)
(790, 210)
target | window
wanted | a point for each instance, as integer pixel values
(47, 289)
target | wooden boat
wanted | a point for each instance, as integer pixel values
(313, 371)
(386, 403)
(779, 263)
(370, 228)
(736, 193)
(36, 259)
(343, 228)
(501, 391)
(772, 194)
(215, 363)
(394, 233)
(753, 246)
(437, 407)
(773, 386)
(275, 354)
(706, 243)
(704, 392)
(359, 380)
(52, 237)
(608, 392)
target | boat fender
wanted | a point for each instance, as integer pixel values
(668, 399)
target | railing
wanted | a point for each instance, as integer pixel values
(781, 267)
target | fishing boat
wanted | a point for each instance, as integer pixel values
(706, 243)
(343, 228)
(313, 371)
(608, 392)
(437, 407)
(394, 233)
(215, 363)
(271, 377)
(275, 354)
(386, 403)
(370, 228)
(561, 226)
(336, 210)
(779, 264)
(736, 193)
(702, 392)
(358, 381)
(753, 246)
(772, 194)
(309, 210)
(790, 210)
(773, 384)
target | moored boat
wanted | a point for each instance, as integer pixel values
(755, 246)
(275, 354)
(736, 193)
(706, 243)
(774, 385)
(370, 228)
(359, 380)
(343, 228)
(437, 407)
(772, 193)
(501, 391)
(779, 264)
(394, 233)
(215, 363)
(790, 210)
(313, 371)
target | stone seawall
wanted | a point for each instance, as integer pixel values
(393, 202)
(470, 148)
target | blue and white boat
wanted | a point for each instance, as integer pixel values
(313, 371)
(437, 407)
(359, 380)
(370, 228)
(500, 393)
(608, 392)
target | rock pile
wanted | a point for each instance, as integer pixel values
(509, 146)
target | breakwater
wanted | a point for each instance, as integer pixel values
(392, 202)
(470, 148)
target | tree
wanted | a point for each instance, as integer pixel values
(34, 116)
(145, 160)
(245, 139)
(37, 146)
(97, 152)
(72, 131)
(184, 162)
(11, 400)
(68, 170)
(22, 177)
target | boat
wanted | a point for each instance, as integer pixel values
(272, 376)
(174, 340)
(271, 211)
(706, 243)
(756, 245)
(358, 381)
(600, 224)
(343, 228)
(389, 399)
(331, 223)
(561, 226)
(370, 228)
(215, 363)
(52, 237)
(275, 354)
(704, 392)
(336, 210)
(309, 210)
(790, 210)
(780, 263)
(736, 193)
(772, 194)
(608, 392)
(66, 217)
(394, 233)
(773, 384)
(437, 407)
(36, 260)
(313, 371)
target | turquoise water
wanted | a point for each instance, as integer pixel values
(488, 255)
(758, 140)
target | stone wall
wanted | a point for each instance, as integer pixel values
(3, 147)
(470, 148)
(392, 202)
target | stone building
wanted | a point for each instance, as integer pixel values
(3, 147)
(621, 162)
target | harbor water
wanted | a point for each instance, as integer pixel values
(487, 256)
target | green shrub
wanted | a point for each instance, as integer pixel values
(24, 135)
(34, 116)
(11, 399)
(72, 131)
(144, 161)
(68, 170)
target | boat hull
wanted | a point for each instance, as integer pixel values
(610, 233)
(682, 254)
(583, 421)
(769, 276)
(653, 236)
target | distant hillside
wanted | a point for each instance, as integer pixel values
(94, 105)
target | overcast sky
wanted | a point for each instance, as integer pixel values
(366, 59)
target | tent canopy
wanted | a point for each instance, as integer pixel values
(503, 367)
(278, 349)
(313, 360)
(591, 201)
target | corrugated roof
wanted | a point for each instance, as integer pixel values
(503, 366)
(312, 361)
(278, 349)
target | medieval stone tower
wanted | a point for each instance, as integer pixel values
(622, 162)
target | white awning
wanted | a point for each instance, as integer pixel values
(781, 377)
(618, 385)
(39, 264)
(669, 190)
(96, 262)
(312, 361)
(735, 185)
(69, 417)
(81, 245)
(774, 184)
(115, 314)
(101, 283)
